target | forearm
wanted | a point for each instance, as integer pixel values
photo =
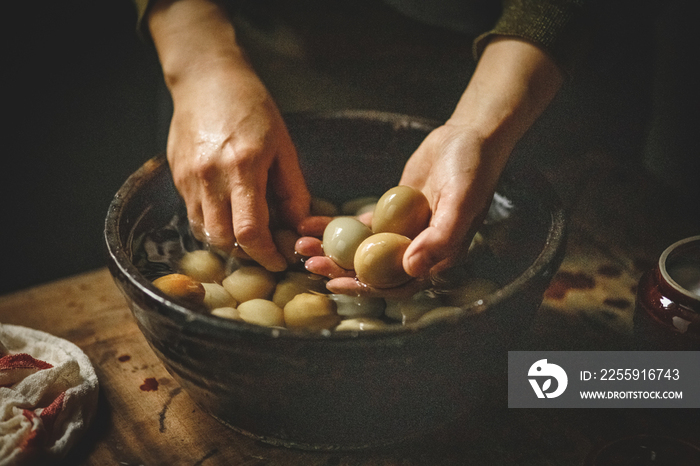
(512, 85)
(194, 37)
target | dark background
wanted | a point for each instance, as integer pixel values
(83, 101)
(81, 107)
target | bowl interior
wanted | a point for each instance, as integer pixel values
(344, 156)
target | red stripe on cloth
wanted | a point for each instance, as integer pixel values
(22, 361)
(32, 440)
(50, 413)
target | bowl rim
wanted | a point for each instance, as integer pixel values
(197, 323)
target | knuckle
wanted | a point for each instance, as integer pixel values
(245, 157)
(248, 233)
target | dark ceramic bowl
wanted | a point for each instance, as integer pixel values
(344, 390)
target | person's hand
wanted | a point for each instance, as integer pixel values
(228, 147)
(227, 144)
(457, 170)
(459, 164)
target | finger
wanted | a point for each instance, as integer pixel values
(426, 250)
(193, 205)
(446, 240)
(218, 226)
(309, 246)
(313, 226)
(289, 185)
(251, 227)
(366, 218)
(440, 241)
(323, 265)
(196, 221)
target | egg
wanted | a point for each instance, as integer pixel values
(323, 207)
(250, 282)
(203, 266)
(378, 260)
(182, 287)
(227, 313)
(261, 312)
(410, 309)
(341, 238)
(403, 210)
(440, 313)
(358, 205)
(215, 296)
(296, 283)
(311, 311)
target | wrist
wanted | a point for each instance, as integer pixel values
(194, 37)
(512, 85)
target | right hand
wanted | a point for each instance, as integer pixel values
(227, 143)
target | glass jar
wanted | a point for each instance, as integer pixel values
(667, 311)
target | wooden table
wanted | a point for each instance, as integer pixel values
(620, 223)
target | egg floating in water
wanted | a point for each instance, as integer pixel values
(204, 266)
(311, 311)
(215, 295)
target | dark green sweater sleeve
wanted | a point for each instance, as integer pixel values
(559, 27)
(141, 9)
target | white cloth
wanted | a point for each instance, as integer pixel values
(48, 395)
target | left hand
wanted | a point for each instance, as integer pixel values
(457, 170)
(458, 165)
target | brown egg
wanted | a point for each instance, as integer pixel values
(403, 210)
(182, 287)
(379, 260)
(341, 238)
